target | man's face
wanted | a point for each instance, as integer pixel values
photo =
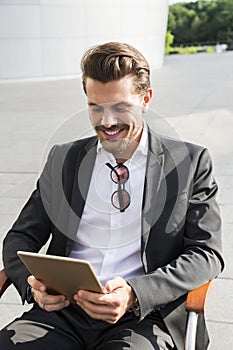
(116, 114)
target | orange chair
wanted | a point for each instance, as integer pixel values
(195, 304)
(4, 282)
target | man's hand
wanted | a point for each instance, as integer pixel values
(44, 300)
(108, 307)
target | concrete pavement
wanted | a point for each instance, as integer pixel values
(193, 93)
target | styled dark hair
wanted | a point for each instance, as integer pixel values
(113, 61)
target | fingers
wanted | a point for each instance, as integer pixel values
(96, 299)
(44, 300)
(97, 306)
(106, 307)
(51, 302)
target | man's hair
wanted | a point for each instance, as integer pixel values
(113, 61)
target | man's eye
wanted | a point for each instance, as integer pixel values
(96, 109)
(121, 108)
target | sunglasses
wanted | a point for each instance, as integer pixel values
(120, 198)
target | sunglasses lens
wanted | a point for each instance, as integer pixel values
(120, 199)
(122, 172)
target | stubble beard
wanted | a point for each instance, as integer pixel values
(123, 147)
(117, 147)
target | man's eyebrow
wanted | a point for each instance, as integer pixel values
(92, 104)
(113, 103)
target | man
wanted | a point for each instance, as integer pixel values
(141, 208)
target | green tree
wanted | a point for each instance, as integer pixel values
(169, 42)
(220, 21)
(202, 21)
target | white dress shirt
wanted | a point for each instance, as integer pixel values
(108, 238)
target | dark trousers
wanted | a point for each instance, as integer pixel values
(73, 329)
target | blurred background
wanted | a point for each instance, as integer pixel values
(46, 38)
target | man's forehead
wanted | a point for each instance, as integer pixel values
(116, 91)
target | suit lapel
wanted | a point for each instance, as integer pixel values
(154, 175)
(84, 166)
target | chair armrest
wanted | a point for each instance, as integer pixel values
(5, 282)
(196, 299)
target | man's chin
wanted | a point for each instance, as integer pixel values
(112, 145)
(120, 148)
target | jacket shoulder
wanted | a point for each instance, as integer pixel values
(77, 144)
(72, 148)
(180, 149)
(171, 143)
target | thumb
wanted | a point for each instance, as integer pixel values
(116, 282)
(36, 284)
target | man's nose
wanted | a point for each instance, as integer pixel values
(108, 119)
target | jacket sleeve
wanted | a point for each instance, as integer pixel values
(201, 256)
(30, 232)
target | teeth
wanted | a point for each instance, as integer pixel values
(111, 133)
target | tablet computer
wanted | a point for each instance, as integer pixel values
(62, 275)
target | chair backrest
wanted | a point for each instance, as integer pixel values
(5, 282)
(196, 299)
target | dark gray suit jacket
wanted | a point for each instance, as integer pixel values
(181, 226)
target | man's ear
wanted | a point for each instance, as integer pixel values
(146, 99)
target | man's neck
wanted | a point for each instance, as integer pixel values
(123, 157)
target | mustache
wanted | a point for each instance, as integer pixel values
(112, 128)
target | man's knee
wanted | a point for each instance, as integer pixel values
(24, 331)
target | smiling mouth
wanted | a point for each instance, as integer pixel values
(113, 132)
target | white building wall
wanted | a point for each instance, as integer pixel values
(45, 38)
